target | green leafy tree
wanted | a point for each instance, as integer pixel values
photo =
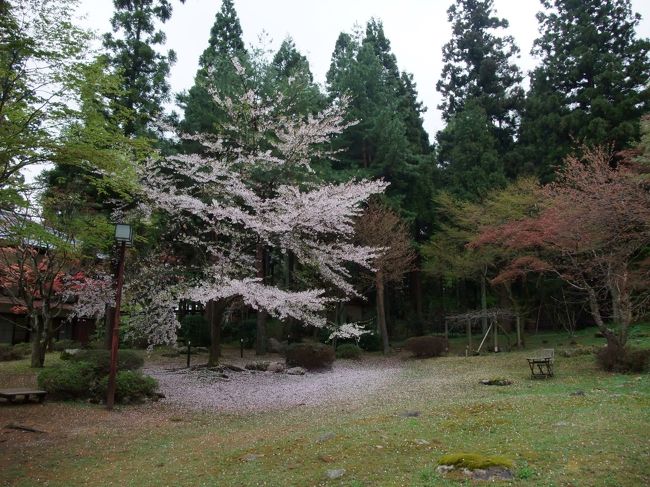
(592, 84)
(41, 53)
(448, 253)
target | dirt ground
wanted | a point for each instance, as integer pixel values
(199, 390)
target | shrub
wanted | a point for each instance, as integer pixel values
(196, 329)
(473, 461)
(623, 359)
(310, 356)
(426, 346)
(348, 350)
(130, 386)
(371, 342)
(24, 348)
(69, 380)
(8, 352)
(101, 360)
(61, 345)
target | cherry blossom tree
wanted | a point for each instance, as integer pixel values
(592, 230)
(224, 202)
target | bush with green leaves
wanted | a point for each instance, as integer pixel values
(348, 350)
(311, 356)
(130, 386)
(24, 348)
(426, 346)
(68, 380)
(371, 342)
(101, 360)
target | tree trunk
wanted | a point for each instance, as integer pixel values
(215, 311)
(484, 323)
(260, 339)
(518, 325)
(417, 296)
(381, 312)
(613, 340)
(37, 357)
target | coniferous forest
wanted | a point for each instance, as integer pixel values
(505, 155)
(269, 278)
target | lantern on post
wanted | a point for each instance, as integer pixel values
(124, 238)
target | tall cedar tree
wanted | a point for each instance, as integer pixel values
(133, 54)
(479, 67)
(469, 156)
(389, 140)
(591, 86)
(215, 70)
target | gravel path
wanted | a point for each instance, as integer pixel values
(203, 389)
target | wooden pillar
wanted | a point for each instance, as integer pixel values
(469, 335)
(446, 336)
(496, 335)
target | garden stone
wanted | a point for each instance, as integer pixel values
(251, 457)
(421, 442)
(335, 474)
(325, 437)
(276, 367)
(257, 365)
(296, 371)
(491, 474)
(234, 368)
(577, 393)
(410, 414)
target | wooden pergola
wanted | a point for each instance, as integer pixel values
(494, 318)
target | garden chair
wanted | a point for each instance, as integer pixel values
(541, 366)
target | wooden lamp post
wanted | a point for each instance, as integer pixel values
(123, 237)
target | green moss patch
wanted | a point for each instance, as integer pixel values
(474, 461)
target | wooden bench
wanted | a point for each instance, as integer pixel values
(541, 366)
(11, 394)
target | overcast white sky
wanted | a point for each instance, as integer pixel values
(417, 30)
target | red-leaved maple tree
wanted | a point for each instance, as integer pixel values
(593, 231)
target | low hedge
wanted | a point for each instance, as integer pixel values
(426, 346)
(348, 350)
(311, 356)
(130, 386)
(101, 360)
(68, 380)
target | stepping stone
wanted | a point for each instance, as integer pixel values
(335, 474)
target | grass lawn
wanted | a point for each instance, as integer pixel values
(598, 437)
